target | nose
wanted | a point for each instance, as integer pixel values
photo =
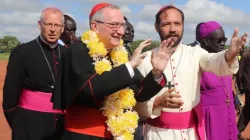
(222, 43)
(121, 31)
(52, 28)
(172, 28)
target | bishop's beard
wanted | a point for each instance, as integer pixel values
(176, 43)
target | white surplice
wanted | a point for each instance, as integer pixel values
(186, 65)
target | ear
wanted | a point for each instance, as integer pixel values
(157, 27)
(39, 25)
(62, 30)
(93, 26)
(205, 41)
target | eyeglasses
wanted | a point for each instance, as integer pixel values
(218, 41)
(50, 25)
(114, 25)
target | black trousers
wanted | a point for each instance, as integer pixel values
(33, 125)
(75, 136)
(138, 135)
(245, 115)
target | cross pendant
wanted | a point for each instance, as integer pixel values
(169, 85)
(228, 101)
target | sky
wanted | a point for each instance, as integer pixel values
(20, 18)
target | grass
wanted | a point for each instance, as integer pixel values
(4, 56)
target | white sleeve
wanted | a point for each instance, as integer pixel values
(130, 70)
(216, 63)
(146, 108)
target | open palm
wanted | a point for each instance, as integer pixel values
(160, 57)
(237, 43)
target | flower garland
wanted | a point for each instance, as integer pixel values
(121, 119)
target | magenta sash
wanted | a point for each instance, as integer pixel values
(37, 101)
(181, 120)
(174, 120)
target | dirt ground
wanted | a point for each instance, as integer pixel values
(4, 128)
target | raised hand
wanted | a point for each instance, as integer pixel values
(137, 57)
(159, 59)
(168, 100)
(236, 45)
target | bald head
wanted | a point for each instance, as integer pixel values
(51, 10)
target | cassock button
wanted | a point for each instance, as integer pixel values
(52, 86)
(181, 108)
(183, 131)
(176, 84)
(56, 62)
(174, 75)
(173, 67)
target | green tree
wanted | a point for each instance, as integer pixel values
(8, 43)
(136, 43)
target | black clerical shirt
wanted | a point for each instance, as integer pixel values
(30, 66)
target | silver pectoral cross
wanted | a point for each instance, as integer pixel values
(169, 85)
(228, 101)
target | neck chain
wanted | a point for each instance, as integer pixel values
(173, 73)
(226, 92)
(52, 75)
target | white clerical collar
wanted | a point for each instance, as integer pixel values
(52, 46)
(178, 47)
(61, 42)
(197, 42)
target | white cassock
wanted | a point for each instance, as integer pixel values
(184, 71)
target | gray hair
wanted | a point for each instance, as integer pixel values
(98, 15)
(53, 10)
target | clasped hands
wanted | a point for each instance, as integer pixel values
(168, 100)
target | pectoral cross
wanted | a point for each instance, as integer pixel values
(228, 101)
(169, 85)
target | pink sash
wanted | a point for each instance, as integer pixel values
(37, 101)
(174, 120)
(181, 120)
